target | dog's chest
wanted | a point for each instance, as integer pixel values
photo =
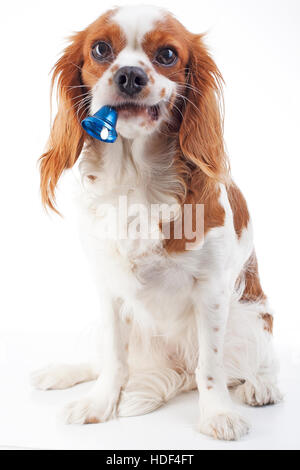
(121, 225)
(122, 231)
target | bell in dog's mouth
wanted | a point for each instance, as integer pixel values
(128, 110)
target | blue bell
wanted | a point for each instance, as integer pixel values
(102, 125)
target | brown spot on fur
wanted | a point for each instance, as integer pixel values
(114, 68)
(141, 63)
(145, 93)
(210, 379)
(163, 93)
(269, 321)
(92, 421)
(92, 177)
(209, 387)
(216, 330)
(126, 347)
(239, 209)
(216, 351)
(216, 306)
(151, 78)
(128, 321)
(110, 81)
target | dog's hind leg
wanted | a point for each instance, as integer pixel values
(249, 353)
(61, 376)
(150, 389)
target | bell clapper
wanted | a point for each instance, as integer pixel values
(104, 133)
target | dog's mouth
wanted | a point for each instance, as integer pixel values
(128, 110)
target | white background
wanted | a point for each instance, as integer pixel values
(48, 301)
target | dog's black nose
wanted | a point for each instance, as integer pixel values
(131, 80)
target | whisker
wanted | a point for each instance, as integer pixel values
(84, 106)
(185, 98)
(80, 68)
(81, 104)
(189, 87)
(174, 105)
(74, 86)
(79, 96)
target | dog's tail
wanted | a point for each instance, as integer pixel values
(148, 390)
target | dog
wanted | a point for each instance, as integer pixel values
(182, 307)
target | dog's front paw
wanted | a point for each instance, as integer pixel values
(261, 394)
(90, 410)
(227, 426)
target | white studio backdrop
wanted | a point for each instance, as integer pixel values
(47, 292)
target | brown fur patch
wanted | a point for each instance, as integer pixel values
(214, 214)
(253, 291)
(269, 322)
(168, 32)
(239, 209)
(102, 29)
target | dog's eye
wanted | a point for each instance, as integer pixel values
(102, 51)
(166, 57)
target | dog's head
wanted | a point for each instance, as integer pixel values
(155, 73)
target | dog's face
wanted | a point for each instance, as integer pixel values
(159, 77)
(135, 60)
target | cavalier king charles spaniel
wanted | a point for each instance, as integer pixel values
(167, 231)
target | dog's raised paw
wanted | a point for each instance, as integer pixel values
(227, 426)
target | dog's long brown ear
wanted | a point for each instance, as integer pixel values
(67, 137)
(201, 131)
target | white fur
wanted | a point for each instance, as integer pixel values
(135, 21)
(169, 323)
